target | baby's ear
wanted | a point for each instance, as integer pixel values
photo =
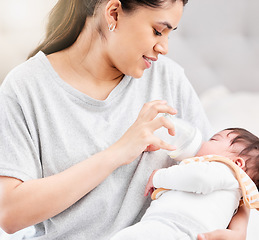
(240, 162)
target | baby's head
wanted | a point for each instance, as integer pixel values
(239, 145)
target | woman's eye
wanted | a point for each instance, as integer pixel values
(157, 33)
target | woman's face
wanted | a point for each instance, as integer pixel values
(140, 36)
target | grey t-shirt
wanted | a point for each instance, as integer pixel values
(48, 126)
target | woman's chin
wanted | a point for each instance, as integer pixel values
(137, 74)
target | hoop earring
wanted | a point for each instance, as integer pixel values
(111, 27)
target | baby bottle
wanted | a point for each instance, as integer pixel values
(187, 138)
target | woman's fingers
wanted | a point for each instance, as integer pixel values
(162, 122)
(151, 148)
(201, 237)
(140, 136)
(151, 109)
(157, 143)
(219, 234)
(151, 123)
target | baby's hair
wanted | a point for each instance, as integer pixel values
(250, 152)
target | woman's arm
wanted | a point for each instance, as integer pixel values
(236, 230)
(27, 203)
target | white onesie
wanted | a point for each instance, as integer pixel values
(203, 197)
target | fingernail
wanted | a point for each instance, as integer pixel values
(172, 147)
(202, 237)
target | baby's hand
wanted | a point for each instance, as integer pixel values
(150, 187)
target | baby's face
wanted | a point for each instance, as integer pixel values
(220, 144)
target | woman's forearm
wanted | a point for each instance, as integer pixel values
(236, 230)
(240, 221)
(26, 203)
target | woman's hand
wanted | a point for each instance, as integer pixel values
(139, 137)
(220, 234)
(236, 229)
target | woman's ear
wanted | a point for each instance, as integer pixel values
(240, 162)
(112, 10)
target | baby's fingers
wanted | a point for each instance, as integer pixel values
(148, 191)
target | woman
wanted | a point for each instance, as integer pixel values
(75, 133)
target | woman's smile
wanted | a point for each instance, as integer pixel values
(148, 61)
(140, 36)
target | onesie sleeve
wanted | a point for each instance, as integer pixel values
(18, 155)
(197, 177)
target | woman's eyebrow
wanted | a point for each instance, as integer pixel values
(168, 25)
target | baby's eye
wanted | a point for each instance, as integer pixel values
(157, 32)
(212, 139)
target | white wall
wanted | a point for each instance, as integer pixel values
(218, 42)
(22, 25)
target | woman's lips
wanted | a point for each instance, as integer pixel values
(148, 61)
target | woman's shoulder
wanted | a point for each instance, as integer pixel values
(26, 69)
(26, 74)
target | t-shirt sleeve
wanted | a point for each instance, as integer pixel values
(19, 157)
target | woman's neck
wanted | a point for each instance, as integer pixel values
(86, 66)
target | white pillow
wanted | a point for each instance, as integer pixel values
(226, 109)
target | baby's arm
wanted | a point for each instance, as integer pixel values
(197, 177)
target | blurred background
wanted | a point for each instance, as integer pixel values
(22, 25)
(217, 43)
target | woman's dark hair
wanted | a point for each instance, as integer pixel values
(250, 152)
(67, 19)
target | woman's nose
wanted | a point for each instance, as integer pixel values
(162, 46)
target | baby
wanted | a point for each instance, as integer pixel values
(202, 193)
